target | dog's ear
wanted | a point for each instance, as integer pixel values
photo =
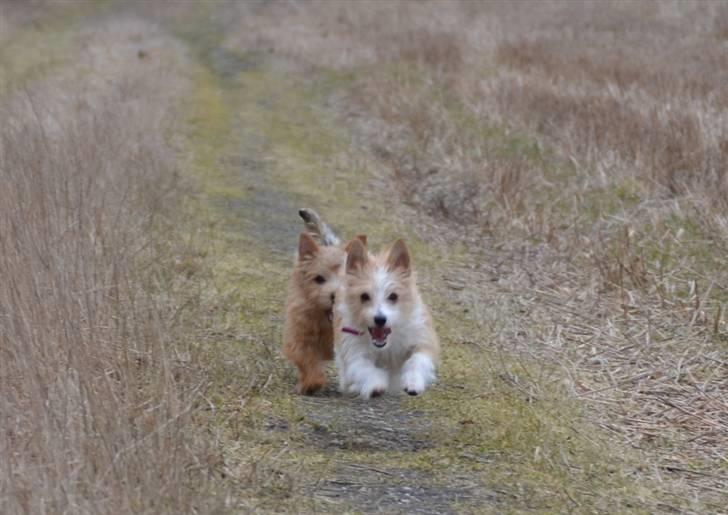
(359, 237)
(356, 255)
(307, 246)
(398, 257)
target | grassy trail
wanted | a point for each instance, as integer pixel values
(265, 143)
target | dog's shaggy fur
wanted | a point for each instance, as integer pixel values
(385, 339)
(308, 331)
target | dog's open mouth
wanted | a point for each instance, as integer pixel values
(379, 335)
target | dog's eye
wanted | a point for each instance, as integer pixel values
(393, 297)
(320, 279)
(365, 297)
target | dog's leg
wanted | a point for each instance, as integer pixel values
(418, 373)
(311, 376)
(361, 377)
(303, 354)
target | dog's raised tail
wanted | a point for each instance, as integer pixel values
(318, 227)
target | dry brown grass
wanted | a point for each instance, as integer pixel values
(665, 149)
(97, 370)
(578, 151)
(582, 148)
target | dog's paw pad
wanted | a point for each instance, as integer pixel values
(377, 392)
(411, 391)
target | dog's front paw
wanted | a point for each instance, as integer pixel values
(311, 381)
(413, 383)
(309, 387)
(369, 391)
(377, 392)
(418, 372)
(374, 387)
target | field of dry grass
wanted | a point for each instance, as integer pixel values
(96, 380)
(581, 149)
(561, 168)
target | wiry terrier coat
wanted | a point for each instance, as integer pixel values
(308, 332)
(385, 339)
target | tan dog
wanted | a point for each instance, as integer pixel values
(308, 331)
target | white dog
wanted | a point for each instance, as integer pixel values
(384, 336)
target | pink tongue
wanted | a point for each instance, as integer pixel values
(379, 333)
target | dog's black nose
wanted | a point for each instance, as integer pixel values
(380, 320)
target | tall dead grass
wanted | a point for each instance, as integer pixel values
(96, 373)
(664, 148)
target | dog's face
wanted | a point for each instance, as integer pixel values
(380, 293)
(319, 270)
